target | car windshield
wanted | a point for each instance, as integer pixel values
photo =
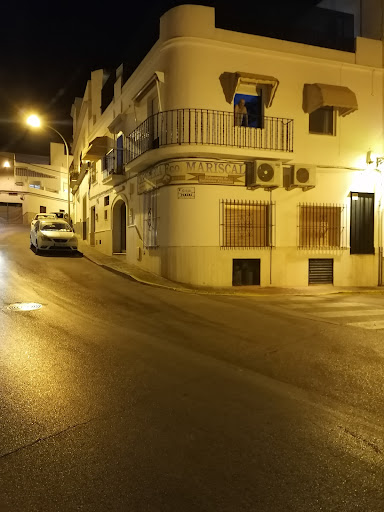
(55, 226)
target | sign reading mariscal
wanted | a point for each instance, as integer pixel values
(218, 172)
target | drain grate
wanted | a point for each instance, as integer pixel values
(24, 306)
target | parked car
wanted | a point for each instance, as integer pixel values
(42, 216)
(51, 235)
(60, 215)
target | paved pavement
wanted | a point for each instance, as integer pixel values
(354, 310)
(121, 397)
(119, 265)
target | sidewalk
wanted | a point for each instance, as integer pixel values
(118, 265)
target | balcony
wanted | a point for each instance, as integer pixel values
(113, 167)
(208, 127)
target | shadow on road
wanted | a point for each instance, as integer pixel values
(58, 254)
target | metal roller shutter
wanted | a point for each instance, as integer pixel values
(320, 271)
(11, 213)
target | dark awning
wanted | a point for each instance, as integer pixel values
(118, 124)
(324, 95)
(158, 76)
(98, 148)
(230, 82)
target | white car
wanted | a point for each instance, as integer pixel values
(52, 235)
(42, 216)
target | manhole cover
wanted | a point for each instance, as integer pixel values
(24, 306)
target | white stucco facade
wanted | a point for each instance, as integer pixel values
(31, 185)
(185, 163)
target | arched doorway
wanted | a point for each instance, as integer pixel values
(119, 227)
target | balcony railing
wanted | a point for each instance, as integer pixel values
(208, 127)
(113, 163)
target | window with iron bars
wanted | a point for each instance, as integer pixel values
(247, 223)
(150, 219)
(93, 173)
(322, 226)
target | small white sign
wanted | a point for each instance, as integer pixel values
(186, 193)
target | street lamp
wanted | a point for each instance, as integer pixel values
(34, 121)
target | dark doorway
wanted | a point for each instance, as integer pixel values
(93, 225)
(11, 213)
(119, 227)
(123, 213)
(362, 223)
(246, 272)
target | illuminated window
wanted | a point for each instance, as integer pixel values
(322, 226)
(248, 110)
(322, 121)
(246, 223)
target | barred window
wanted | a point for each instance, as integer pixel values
(322, 226)
(247, 223)
(150, 219)
(93, 173)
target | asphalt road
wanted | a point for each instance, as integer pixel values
(121, 397)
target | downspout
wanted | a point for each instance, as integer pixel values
(270, 245)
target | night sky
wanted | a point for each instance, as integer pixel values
(49, 52)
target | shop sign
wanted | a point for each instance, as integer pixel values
(207, 172)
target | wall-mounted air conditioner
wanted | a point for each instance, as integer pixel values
(265, 173)
(303, 176)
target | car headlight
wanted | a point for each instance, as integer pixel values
(45, 238)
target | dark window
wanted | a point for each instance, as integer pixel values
(322, 121)
(106, 200)
(362, 223)
(248, 110)
(105, 214)
(120, 153)
(246, 272)
(43, 209)
(107, 91)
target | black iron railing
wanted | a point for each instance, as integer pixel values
(113, 163)
(208, 127)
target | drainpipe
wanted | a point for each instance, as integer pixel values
(270, 248)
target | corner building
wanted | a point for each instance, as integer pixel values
(235, 159)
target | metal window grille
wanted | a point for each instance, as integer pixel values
(150, 219)
(322, 226)
(93, 173)
(247, 223)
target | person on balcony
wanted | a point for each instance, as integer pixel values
(241, 113)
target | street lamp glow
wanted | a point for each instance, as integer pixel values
(6, 163)
(34, 121)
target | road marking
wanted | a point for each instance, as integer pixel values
(373, 324)
(363, 312)
(329, 305)
(306, 299)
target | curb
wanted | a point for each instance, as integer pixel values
(196, 291)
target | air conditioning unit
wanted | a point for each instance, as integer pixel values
(303, 176)
(266, 174)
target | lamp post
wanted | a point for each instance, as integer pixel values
(34, 121)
